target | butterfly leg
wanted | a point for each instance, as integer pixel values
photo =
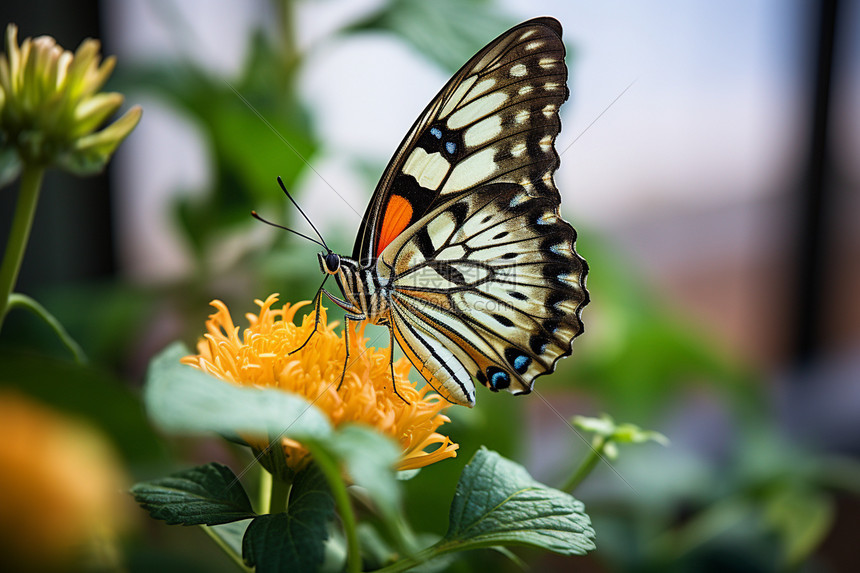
(346, 328)
(391, 364)
(352, 313)
(316, 302)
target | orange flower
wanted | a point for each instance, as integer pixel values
(61, 503)
(261, 358)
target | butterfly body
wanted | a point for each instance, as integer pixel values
(462, 252)
(365, 296)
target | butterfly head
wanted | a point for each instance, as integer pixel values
(329, 262)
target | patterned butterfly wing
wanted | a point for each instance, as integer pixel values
(488, 285)
(482, 275)
(496, 118)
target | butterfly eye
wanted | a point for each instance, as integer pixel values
(332, 262)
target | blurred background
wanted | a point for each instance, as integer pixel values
(709, 164)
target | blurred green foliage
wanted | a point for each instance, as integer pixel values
(759, 504)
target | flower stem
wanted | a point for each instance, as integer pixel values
(586, 465)
(344, 508)
(289, 50)
(411, 561)
(279, 496)
(265, 500)
(28, 198)
(17, 300)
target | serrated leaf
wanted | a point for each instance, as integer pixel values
(295, 540)
(498, 503)
(180, 398)
(205, 495)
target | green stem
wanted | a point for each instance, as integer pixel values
(28, 198)
(17, 300)
(226, 548)
(279, 496)
(344, 507)
(289, 47)
(586, 465)
(411, 561)
(265, 501)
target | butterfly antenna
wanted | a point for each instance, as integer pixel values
(293, 201)
(259, 218)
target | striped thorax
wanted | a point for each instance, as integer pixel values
(360, 286)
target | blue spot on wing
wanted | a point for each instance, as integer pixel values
(518, 359)
(521, 362)
(451, 147)
(499, 379)
(436, 132)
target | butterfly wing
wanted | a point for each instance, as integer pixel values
(487, 285)
(482, 275)
(495, 119)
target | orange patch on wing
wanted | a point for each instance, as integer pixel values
(398, 213)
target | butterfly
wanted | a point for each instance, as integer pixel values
(462, 253)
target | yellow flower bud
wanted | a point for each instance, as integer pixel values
(51, 106)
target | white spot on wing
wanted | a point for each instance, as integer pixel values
(440, 229)
(547, 179)
(451, 253)
(547, 218)
(547, 63)
(477, 109)
(518, 70)
(456, 97)
(533, 45)
(524, 90)
(551, 86)
(429, 169)
(423, 278)
(519, 199)
(527, 34)
(475, 169)
(518, 149)
(548, 110)
(483, 131)
(522, 116)
(481, 87)
(562, 249)
(546, 143)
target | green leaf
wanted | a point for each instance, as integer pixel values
(231, 534)
(180, 398)
(801, 516)
(10, 164)
(406, 475)
(295, 540)
(498, 503)
(205, 495)
(369, 458)
(430, 29)
(607, 428)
